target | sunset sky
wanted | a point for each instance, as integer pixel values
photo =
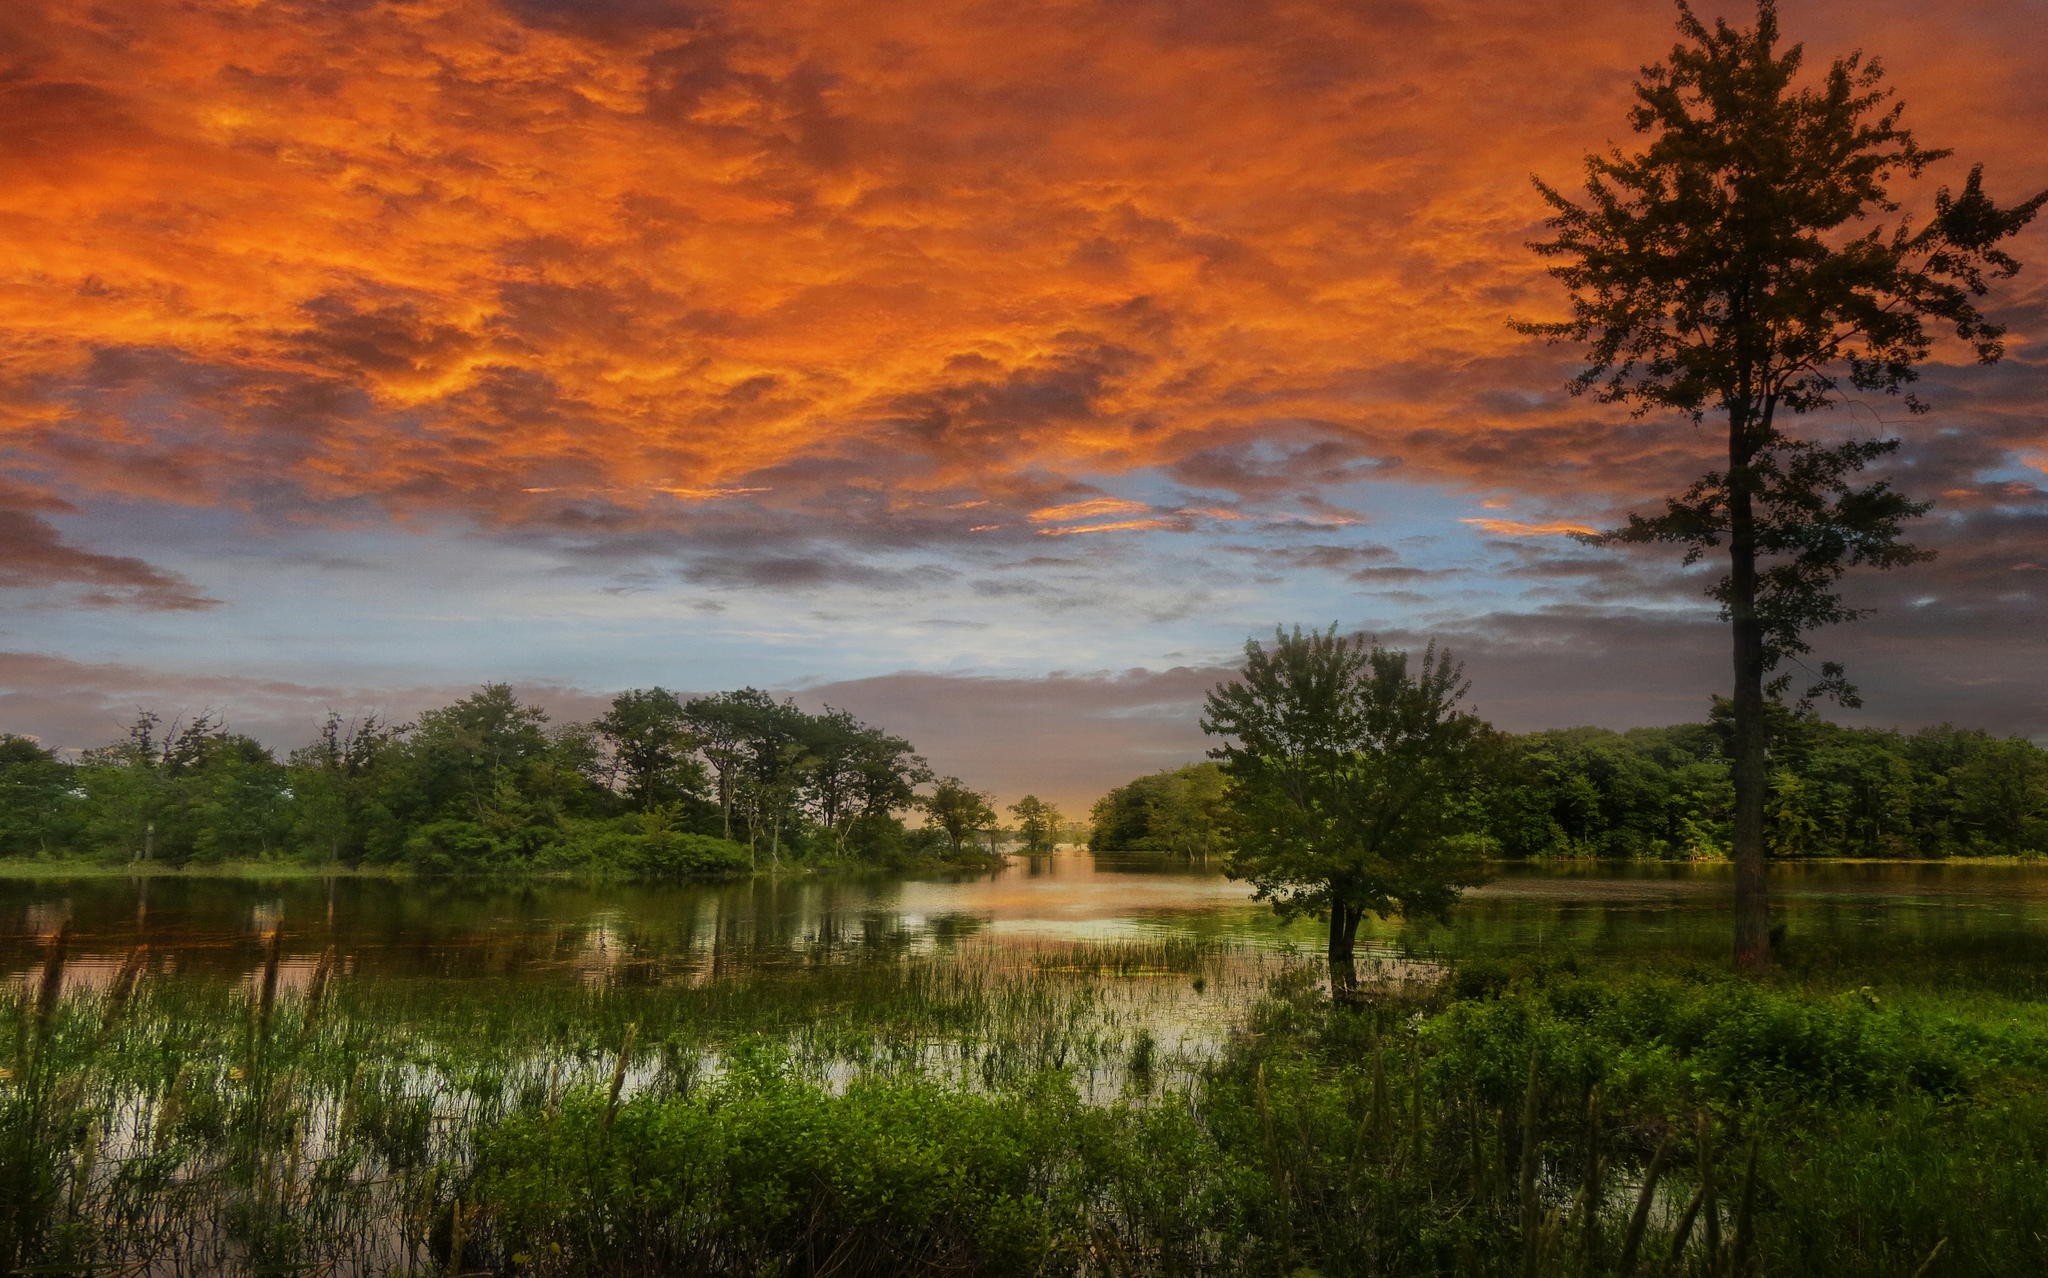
(991, 370)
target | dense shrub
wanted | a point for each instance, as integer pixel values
(635, 845)
(773, 1177)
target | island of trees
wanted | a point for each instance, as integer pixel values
(659, 785)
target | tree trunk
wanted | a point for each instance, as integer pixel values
(1344, 921)
(1752, 892)
(725, 801)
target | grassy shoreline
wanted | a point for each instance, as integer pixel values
(925, 1116)
(85, 868)
(58, 868)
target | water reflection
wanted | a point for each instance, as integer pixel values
(607, 934)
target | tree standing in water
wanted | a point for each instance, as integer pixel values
(959, 811)
(1749, 264)
(1038, 824)
(1346, 777)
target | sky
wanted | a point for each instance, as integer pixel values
(990, 370)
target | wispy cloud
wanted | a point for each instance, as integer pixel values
(1517, 528)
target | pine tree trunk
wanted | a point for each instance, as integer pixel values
(1752, 892)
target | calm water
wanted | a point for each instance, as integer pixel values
(1952, 916)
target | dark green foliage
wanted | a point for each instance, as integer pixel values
(1181, 812)
(1666, 794)
(39, 811)
(645, 845)
(771, 1176)
(652, 749)
(486, 784)
(1348, 778)
(340, 799)
(966, 816)
(1038, 824)
(780, 773)
(858, 777)
(187, 793)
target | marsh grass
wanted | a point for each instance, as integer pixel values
(185, 1124)
(1169, 1107)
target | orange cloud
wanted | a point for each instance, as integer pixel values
(827, 264)
(1516, 528)
(1086, 509)
(1119, 525)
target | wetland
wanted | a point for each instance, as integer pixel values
(1073, 1064)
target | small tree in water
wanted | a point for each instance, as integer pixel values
(1038, 824)
(960, 811)
(1747, 264)
(1349, 775)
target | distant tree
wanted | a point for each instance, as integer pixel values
(1748, 263)
(1347, 774)
(187, 791)
(491, 779)
(125, 784)
(333, 780)
(229, 804)
(776, 770)
(961, 813)
(859, 775)
(39, 812)
(727, 724)
(651, 748)
(1038, 824)
(2000, 797)
(470, 758)
(1182, 812)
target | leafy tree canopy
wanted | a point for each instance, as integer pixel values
(1349, 768)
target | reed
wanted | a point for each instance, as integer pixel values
(1646, 1197)
(1525, 1189)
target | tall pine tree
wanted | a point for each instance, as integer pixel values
(1747, 265)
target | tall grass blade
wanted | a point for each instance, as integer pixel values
(1639, 1220)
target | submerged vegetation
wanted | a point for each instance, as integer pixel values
(658, 786)
(1100, 1109)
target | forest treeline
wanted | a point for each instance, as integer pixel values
(1666, 793)
(658, 785)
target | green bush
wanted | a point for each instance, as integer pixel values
(1676, 1042)
(642, 848)
(888, 1178)
(446, 847)
(671, 853)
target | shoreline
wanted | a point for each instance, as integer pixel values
(31, 869)
(28, 869)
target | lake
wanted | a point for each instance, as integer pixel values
(1955, 917)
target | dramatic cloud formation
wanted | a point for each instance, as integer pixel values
(435, 339)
